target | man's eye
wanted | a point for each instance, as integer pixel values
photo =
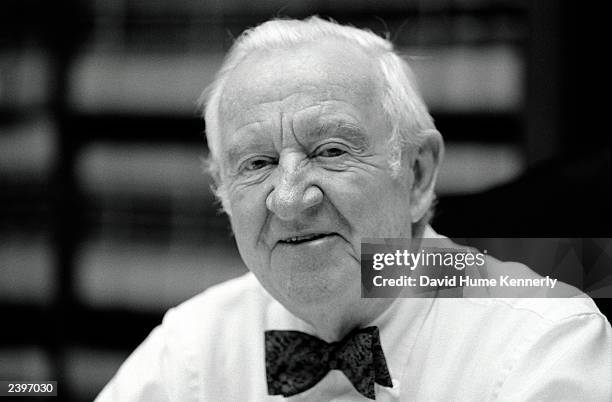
(257, 163)
(331, 152)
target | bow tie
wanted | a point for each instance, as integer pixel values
(296, 361)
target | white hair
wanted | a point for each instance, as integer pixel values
(401, 101)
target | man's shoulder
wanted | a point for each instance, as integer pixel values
(225, 298)
(229, 307)
(548, 303)
(546, 310)
(194, 337)
(540, 303)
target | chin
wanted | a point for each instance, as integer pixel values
(308, 288)
(299, 282)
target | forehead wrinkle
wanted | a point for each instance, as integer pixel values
(245, 112)
(355, 72)
(309, 92)
(247, 124)
(327, 110)
(233, 99)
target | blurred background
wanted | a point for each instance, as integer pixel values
(106, 217)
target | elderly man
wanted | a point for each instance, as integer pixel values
(319, 139)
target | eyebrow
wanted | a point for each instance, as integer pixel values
(351, 132)
(343, 129)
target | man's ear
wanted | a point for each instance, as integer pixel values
(213, 168)
(425, 165)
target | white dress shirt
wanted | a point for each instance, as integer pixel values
(211, 348)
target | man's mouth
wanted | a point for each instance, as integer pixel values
(304, 238)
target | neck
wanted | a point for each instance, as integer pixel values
(333, 324)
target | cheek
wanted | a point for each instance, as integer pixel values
(246, 203)
(373, 207)
(248, 218)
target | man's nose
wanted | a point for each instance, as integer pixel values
(294, 192)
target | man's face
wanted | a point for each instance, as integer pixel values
(304, 160)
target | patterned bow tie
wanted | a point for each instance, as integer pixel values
(296, 361)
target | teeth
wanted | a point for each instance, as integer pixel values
(302, 238)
